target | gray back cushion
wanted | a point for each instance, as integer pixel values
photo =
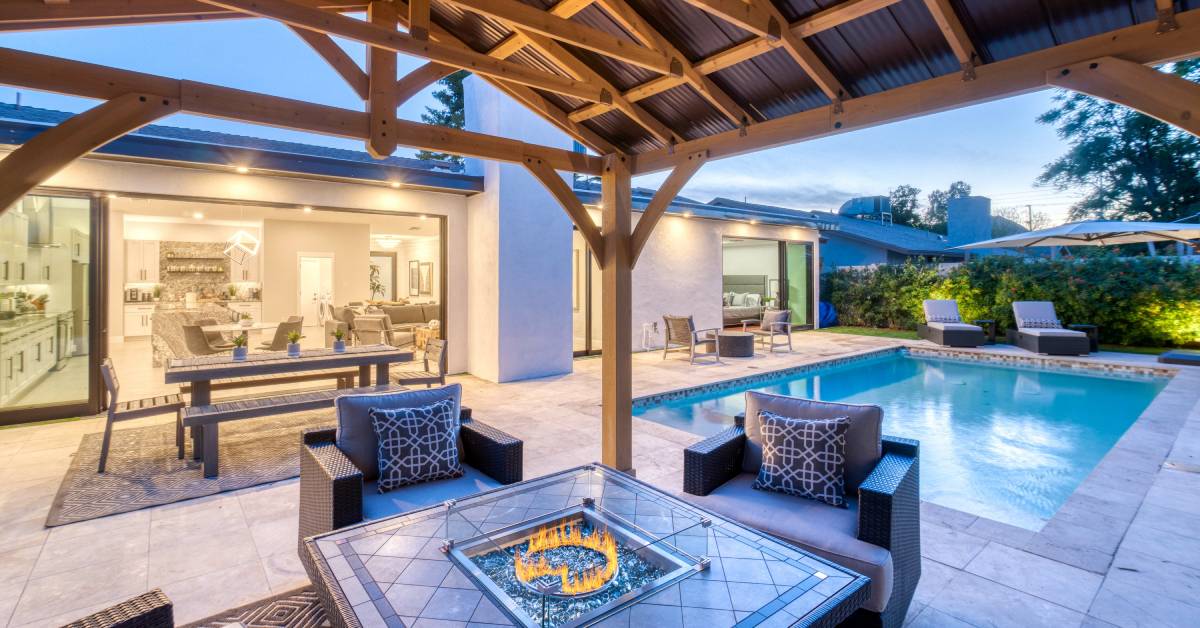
(863, 436)
(771, 317)
(405, 314)
(355, 433)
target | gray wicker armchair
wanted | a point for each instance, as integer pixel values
(148, 610)
(879, 535)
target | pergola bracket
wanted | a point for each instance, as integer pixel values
(680, 175)
(570, 203)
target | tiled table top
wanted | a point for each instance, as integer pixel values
(394, 571)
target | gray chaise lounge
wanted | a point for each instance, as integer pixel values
(944, 326)
(1039, 330)
(879, 535)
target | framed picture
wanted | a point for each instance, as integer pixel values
(425, 285)
(414, 278)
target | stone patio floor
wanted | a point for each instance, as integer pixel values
(1122, 551)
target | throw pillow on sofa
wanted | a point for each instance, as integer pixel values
(804, 457)
(416, 444)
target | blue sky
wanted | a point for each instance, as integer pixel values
(996, 147)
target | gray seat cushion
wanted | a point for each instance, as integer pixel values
(864, 437)
(829, 532)
(356, 435)
(414, 496)
(405, 314)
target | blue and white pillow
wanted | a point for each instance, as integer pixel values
(804, 457)
(944, 319)
(416, 444)
(1041, 323)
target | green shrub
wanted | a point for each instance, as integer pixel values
(1153, 301)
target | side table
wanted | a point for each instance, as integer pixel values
(736, 344)
(989, 329)
(422, 335)
(1093, 334)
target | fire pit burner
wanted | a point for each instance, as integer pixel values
(567, 560)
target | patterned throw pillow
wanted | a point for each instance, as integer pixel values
(416, 444)
(1041, 323)
(804, 457)
(945, 319)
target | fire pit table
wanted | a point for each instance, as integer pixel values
(571, 549)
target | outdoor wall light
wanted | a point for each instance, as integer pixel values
(307, 209)
(112, 195)
(242, 170)
(423, 216)
(395, 185)
(687, 214)
(197, 215)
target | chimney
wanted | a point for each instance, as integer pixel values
(968, 219)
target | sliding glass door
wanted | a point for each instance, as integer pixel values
(585, 299)
(796, 264)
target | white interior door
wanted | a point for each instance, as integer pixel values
(315, 281)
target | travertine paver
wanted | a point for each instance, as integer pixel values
(1143, 500)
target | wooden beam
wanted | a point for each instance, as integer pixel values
(337, 59)
(290, 12)
(34, 71)
(1163, 96)
(424, 76)
(803, 55)
(1018, 75)
(616, 318)
(732, 56)
(16, 15)
(632, 21)
(381, 71)
(837, 15)
(570, 203)
(53, 149)
(662, 200)
(418, 19)
(574, 33)
(744, 14)
(952, 29)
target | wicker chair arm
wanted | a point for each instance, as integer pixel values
(331, 487)
(713, 461)
(492, 451)
(781, 327)
(889, 515)
(149, 610)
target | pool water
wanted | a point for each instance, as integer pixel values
(1007, 443)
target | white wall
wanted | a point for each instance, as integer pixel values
(108, 175)
(421, 250)
(180, 232)
(520, 252)
(284, 241)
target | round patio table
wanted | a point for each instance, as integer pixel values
(736, 344)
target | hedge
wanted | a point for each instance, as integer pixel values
(1148, 301)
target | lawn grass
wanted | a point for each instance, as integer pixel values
(905, 334)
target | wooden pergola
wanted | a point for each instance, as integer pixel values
(648, 85)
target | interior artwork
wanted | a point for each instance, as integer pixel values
(426, 280)
(414, 278)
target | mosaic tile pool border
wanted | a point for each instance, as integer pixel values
(1007, 359)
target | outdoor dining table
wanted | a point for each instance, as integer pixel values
(201, 371)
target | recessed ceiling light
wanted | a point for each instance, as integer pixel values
(687, 214)
(396, 184)
(307, 209)
(242, 170)
(753, 222)
(423, 216)
(198, 215)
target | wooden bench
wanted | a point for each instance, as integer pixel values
(343, 377)
(136, 409)
(205, 419)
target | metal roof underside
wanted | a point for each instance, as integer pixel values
(885, 49)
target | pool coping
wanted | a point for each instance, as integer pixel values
(1087, 529)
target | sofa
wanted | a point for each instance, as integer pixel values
(404, 318)
(877, 535)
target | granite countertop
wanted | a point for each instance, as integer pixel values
(178, 305)
(20, 323)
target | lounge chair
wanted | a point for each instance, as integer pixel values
(1039, 330)
(877, 535)
(148, 610)
(773, 330)
(944, 326)
(681, 333)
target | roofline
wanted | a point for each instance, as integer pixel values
(947, 252)
(705, 210)
(187, 153)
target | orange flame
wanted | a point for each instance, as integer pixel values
(563, 535)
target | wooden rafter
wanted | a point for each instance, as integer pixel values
(1140, 44)
(1167, 97)
(18, 15)
(302, 16)
(51, 150)
(803, 55)
(952, 29)
(586, 37)
(558, 188)
(381, 73)
(836, 15)
(337, 59)
(75, 78)
(420, 78)
(658, 205)
(745, 14)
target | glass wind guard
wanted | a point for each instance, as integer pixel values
(573, 548)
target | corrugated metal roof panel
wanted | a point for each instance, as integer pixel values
(772, 85)
(687, 112)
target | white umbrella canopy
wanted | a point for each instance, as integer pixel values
(1095, 233)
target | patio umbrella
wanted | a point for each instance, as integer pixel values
(1095, 233)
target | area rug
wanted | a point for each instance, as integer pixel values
(295, 609)
(143, 468)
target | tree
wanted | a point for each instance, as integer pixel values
(1128, 165)
(936, 215)
(906, 202)
(1023, 216)
(451, 113)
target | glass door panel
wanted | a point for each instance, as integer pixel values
(799, 282)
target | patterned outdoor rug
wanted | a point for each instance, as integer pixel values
(144, 470)
(295, 609)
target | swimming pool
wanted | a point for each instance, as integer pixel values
(1007, 443)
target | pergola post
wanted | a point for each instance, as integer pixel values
(617, 314)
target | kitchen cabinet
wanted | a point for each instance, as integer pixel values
(81, 250)
(141, 261)
(14, 247)
(137, 320)
(246, 271)
(26, 354)
(253, 308)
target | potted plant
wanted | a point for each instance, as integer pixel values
(247, 320)
(240, 350)
(293, 347)
(339, 342)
